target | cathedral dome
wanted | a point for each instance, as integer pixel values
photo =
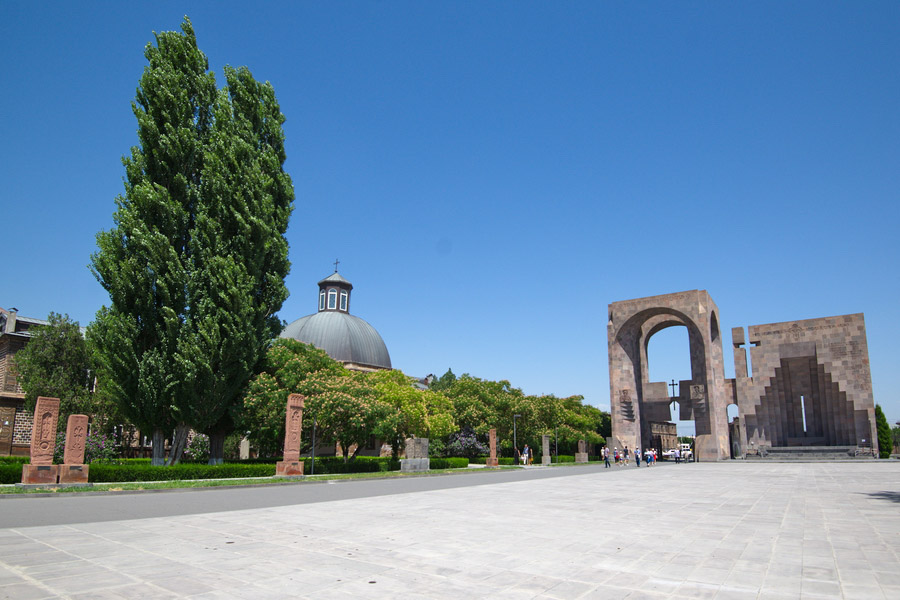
(344, 337)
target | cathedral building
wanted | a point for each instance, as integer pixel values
(344, 337)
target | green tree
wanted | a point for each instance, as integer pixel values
(345, 406)
(56, 363)
(885, 443)
(288, 364)
(408, 411)
(196, 261)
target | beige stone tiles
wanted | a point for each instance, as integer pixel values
(709, 530)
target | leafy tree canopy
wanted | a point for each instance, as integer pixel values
(56, 363)
(196, 261)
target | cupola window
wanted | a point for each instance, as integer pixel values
(322, 300)
(332, 299)
(344, 300)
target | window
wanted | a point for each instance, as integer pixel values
(343, 300)
(332, 299)
(322, 300)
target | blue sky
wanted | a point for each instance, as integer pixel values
(492, 175)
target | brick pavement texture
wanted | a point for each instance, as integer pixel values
(709, 530)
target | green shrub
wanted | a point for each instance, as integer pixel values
(11, 472)
(14, 460)
(109, 473)
(454, 462)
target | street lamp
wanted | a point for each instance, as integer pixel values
(515, 444)
(313, 464)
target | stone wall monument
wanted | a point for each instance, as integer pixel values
(73, 469)
(582, 455)
(545, 450)
(41, 470)
(291, 465)
(492, 461)
(811, 384)
(416, 456)
(636, 402)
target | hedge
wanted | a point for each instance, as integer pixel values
(449, 463)
(139, 469)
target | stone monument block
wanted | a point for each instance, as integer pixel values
(416, 456)
(245, 448)
(292, 466)
(74, 470)
(41, 470)
(43, 431)
(545, 450)
(76, 436)
(493, 461)
(582, 455)
(77, 474)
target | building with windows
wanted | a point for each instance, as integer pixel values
(15, 423)
(345, 337)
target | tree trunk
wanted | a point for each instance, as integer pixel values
(159, 448)
(179, 441)
(216, 448)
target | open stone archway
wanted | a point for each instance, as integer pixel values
(636, 402)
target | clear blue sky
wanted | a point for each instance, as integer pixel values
(493, 175)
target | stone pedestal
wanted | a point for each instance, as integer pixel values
(289, 468)
(545, 450)
(411, 465)
(73, 474)
(416, 456)
(40, 474)
(493, 461)
(582, 455)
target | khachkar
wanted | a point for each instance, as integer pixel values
(73, 470)
(291, 465)
(492, 461)
(416, 456)
(636, 402)
(582, 455)
(41, 470)
(545, 450)
(811, 384)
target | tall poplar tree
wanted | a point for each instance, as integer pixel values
(196, 261)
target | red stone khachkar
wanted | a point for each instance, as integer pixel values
(493, 461)
(74, 470)
(41, 470)
(292, 466)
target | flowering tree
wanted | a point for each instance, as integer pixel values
(288, 364)
(408, 411)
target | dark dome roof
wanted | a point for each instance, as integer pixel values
(344, 337)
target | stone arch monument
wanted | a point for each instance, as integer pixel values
(637, 405)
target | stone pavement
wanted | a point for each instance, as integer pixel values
(708, 530)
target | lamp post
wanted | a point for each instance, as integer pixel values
(515, 444)
(312, 470)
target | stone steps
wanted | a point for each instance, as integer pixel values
(812, 454)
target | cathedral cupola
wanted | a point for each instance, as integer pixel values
(334, 293)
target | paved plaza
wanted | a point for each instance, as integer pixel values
(708, 530)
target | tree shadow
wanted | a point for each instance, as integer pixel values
(890, 496)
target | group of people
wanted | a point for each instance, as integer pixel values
(526, 457)
(622, 457)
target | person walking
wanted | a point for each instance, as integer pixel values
(637, 457)
(516, 456)
(526, 454)
(606, 456)
(625, 457)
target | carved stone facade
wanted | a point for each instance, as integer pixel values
(811, 384)
(636, 402)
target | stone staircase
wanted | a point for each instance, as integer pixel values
(811, 453)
